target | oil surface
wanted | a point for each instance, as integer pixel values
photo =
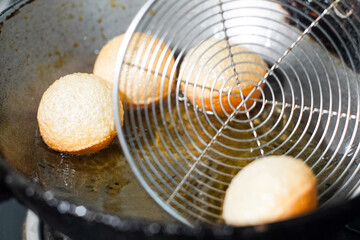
(167, 142)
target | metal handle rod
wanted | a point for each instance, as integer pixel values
(306, 108)
(237, 79)
(228, 120)
(284, 104)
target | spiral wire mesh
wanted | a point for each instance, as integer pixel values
(185, 148)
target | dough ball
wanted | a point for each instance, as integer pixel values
(270, 189)
(75, 114)
(209, 65)
(144, 56)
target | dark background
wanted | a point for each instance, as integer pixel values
(12, 216)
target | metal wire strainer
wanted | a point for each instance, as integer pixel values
(185, 155)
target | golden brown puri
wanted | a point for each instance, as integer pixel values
(270, 189)
(209, 65)
(146, 55)
(75, 114)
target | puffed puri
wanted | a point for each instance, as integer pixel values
(146, 73)
(75, 114)
(209, 80)
(270, 189)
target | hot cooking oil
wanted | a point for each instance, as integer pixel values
(170, 140)
(167, 141)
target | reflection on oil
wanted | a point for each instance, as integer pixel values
(99, 181)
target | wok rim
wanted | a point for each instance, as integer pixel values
(34, 197)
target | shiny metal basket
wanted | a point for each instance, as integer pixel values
(185, 156)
